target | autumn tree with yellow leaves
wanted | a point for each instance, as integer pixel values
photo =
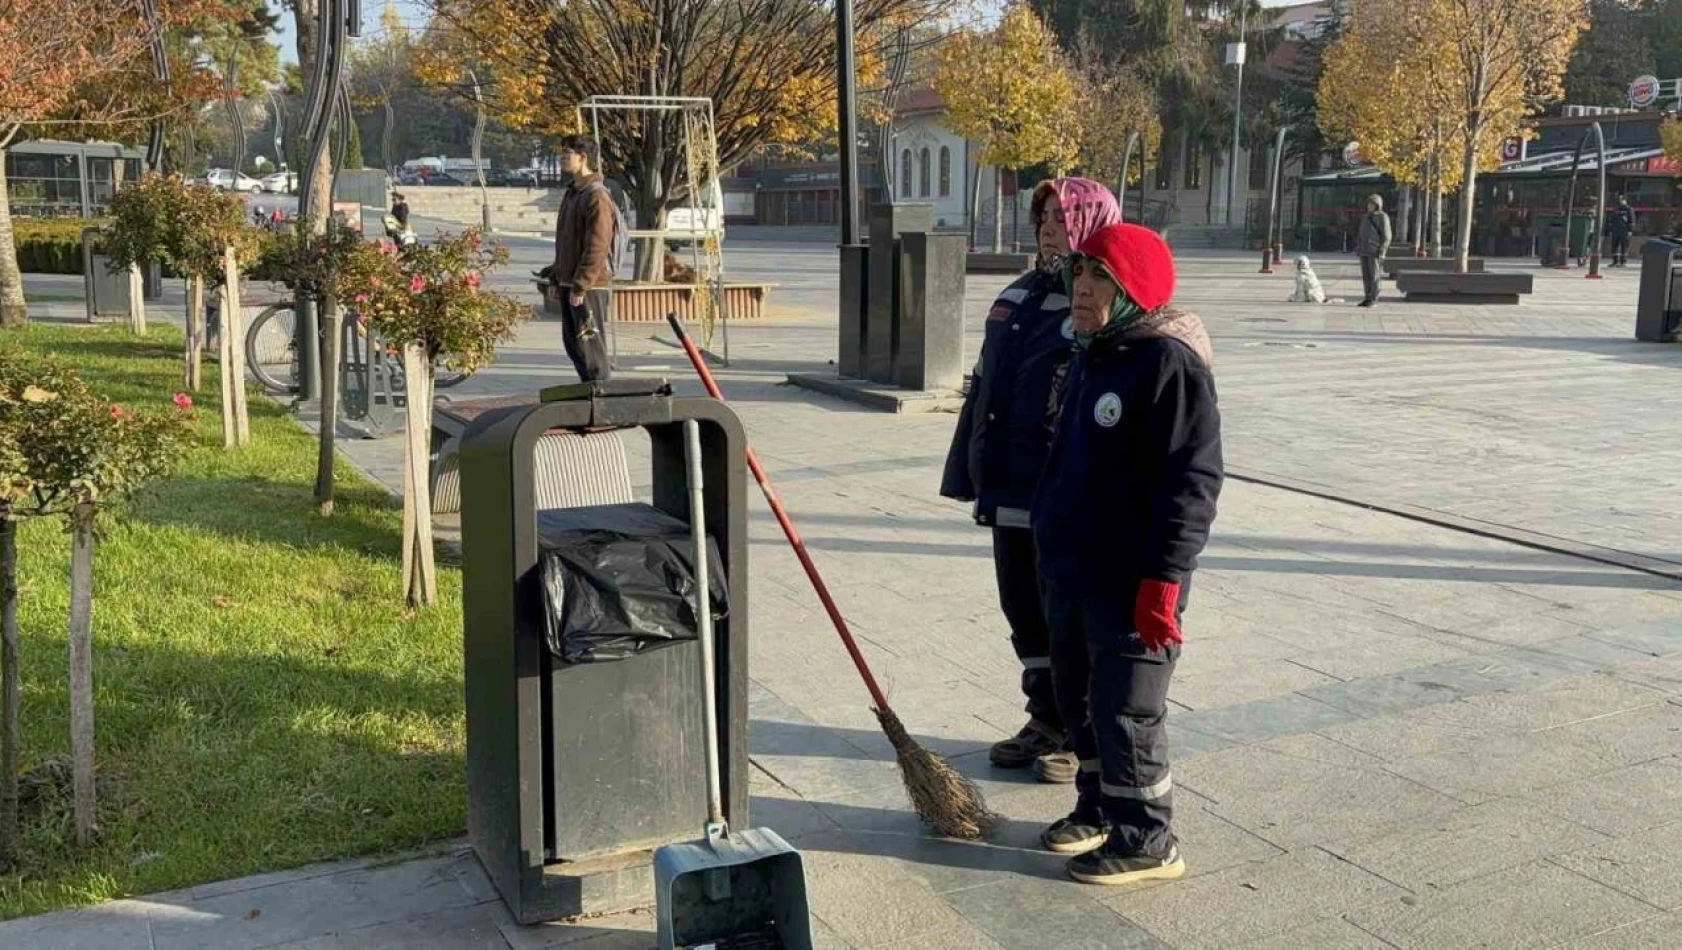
(1441, 83)
(769, 67)
(1011, 90)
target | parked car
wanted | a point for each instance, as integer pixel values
(225, 179)
(439, 178)
(280, 183)
(684, 224)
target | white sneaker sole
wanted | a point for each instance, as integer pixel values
(1166, 872)
(1074, 847)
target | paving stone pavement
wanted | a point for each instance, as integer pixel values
(1386, 733)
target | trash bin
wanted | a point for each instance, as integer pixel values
(107, 294)
(1658, 308)
(577, 771)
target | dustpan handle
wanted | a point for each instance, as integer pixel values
(704, 618)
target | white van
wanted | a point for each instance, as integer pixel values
(684, 224)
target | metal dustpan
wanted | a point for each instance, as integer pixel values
(743, 890)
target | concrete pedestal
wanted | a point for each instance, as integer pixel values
(884, 283)
(930, 347)
(855, 299)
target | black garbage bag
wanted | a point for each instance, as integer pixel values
(619, 579)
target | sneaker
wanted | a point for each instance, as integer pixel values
(1057, 768)
(1076, 834)
(1364, 303)
(1103, 866)
(1022, 749)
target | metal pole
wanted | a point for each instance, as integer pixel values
(330, 27)
(1270, 255)
(1599, 207)
(160, 72)
(1237, 113)
(1571, 200)
(279, 150)
(234, 119)
(846, 103)
(478, 161)
(1121, 183)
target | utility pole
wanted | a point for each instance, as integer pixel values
(1235, 54)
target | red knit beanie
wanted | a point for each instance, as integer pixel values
(1139, 259)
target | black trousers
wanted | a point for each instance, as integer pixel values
(1019, 598)
(1369, 278)
(1620, 248)
(1113, 691)
(584, 334)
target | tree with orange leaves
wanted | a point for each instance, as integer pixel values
(86, 66)
(769, 67)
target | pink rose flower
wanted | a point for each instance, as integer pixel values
(117, 411)
(475, 241)
(361, 298)
(417, 284)
(183, 401)
(473, 279)
(387, 249)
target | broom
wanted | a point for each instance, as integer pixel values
(941, 796)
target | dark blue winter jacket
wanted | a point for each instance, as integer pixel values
(1135, 469)
(1004, 430)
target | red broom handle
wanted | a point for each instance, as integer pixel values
(777, 509)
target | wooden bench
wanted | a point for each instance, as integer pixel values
(649, 303)
(1428, 287)
(1438, 265)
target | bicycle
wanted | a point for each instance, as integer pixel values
(271, 353)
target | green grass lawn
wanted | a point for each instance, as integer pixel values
(264, 697)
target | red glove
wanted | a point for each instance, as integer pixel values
(1156, 614)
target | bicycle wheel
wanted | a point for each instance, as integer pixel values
(271, 349)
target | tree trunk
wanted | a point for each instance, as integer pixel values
(192, 372)
(10, 676)
(998, 209)
(1437, 218)
(225, 367)
(233, 326)
(13, 311)
(81, 673)
(419, 570)
(650, 255)
(1404, 213)
(325, 457)
(1469, 196)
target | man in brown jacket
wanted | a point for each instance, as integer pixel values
(584, 251)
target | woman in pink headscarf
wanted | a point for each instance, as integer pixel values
(1003, 440)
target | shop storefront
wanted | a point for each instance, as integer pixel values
(48, 179)
(809, 194)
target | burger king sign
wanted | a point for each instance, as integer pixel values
(1644, 91)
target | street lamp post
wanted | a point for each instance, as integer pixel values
(1236, 54)
(854, 294)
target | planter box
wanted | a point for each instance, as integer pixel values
(1436, 265)
(649, 303)
(980, 262)
(1426, 287)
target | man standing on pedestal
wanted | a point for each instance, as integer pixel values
(1372, 244)
(587, 234)
(1001, 443)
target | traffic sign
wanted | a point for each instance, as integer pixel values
(1644, 91)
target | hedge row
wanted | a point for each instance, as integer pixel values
(50, 245)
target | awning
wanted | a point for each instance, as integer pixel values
(1636, 160)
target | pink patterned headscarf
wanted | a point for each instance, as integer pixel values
(1087, 206)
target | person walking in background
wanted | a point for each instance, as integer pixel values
(400, 209)
(1119, 519)
(585, 233)
(1001, 442)
(1372, 243)
(1619, 224)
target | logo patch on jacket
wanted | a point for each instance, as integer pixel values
(1068, 328)
(999, 312)
(1107, 411)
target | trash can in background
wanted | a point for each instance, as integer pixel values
(1658, 308)
(577, 771)
(107, 294)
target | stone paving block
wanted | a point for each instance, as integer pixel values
(1376, 652)
(1394, 692)
(115, 925)
(317, 906)
(1240, 683)
(1536, 905)
(1557, 704)
(1525, 629)
(1026, 914)
(1648, 934)
(1185, 742)
(1661, 636)
(1475, 841)
(1505, 764)
(1647, 865)
(464, 928)
(1253, 902)
(1265, 718)
(633, 930)
(1626, 801)
(1602, 657)
(1631, 735)
(1334, 934)
(1664, 674)
(1293, 801)
(1518, 668)
(872, 901)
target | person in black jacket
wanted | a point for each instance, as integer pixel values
(1619, 224)
(1001, 442)
(1119, 519)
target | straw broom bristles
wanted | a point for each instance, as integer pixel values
(945, 799)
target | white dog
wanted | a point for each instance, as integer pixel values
(1308, 289)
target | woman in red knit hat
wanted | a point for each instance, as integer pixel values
(1119, 519)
